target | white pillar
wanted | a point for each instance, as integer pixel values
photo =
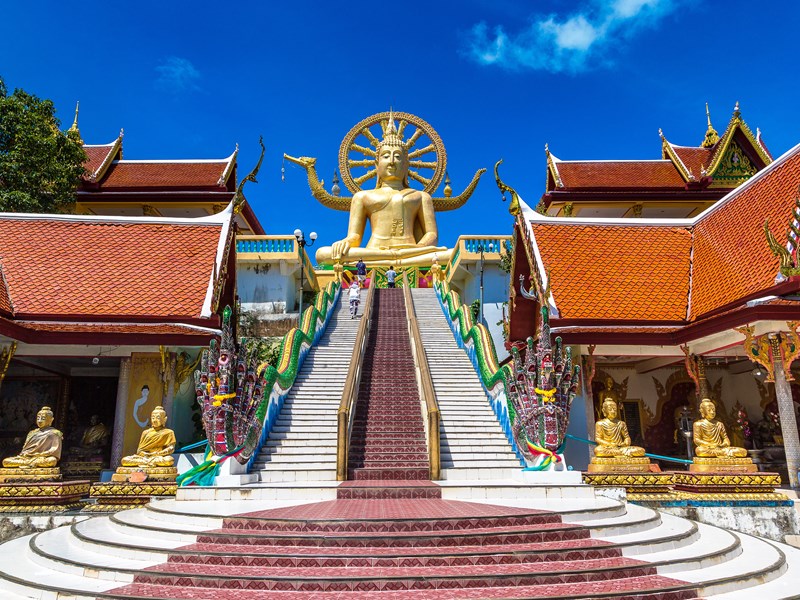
(783, 392)
(118, 435)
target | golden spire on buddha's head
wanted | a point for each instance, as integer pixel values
(391, 137)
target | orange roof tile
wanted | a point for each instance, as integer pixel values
(132, 174)
(5, 299)
(619, 174)
(732, 259)
(135, 328)
(661, 270)
(694, 159)
(97, 156)
(107, 267)
(611, 272)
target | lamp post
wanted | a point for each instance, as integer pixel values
(481, 250)
(302, 243)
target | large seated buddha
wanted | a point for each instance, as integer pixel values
(402, 219)
(712, 447)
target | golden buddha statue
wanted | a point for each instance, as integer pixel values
(710, 438)
(611, 434)
(401, 219)
(94, 439)
(156, 444)
(42, 448)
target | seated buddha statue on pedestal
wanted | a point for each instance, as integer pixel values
(154, 454)
(614, 451)
(713, 450)
(42, 448)
(40, 453)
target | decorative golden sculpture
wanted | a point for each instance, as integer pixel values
(42, 448)
(156, 444)
(611, 434)
(402, 219)
(94, 439)
(710, 438)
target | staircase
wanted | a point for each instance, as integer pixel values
(473, 445)
(387, 441)
(302, 443)
(572, 546)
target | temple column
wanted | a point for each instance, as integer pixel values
(783, 392)
(118, 435)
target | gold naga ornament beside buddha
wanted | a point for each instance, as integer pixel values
(402, 219)
(713, 450)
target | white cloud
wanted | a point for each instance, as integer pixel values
(568, 43)
(177, 74)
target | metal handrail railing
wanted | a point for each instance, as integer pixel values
(351, 384)
(428, 404)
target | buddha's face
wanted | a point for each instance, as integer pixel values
(158, 418)
(392, 163)
(610, 409)
(707, 410)
(44, 418)
(94, 420)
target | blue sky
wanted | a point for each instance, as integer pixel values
(496, 79)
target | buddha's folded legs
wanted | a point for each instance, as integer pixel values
(30, 462)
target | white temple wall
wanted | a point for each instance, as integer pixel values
(266, 289)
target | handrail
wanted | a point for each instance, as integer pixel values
(350, 390)
(431, 408)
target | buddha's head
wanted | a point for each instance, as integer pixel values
(94, 420)
(158, 418)
(707, 409)
(44, 418)
(610, 408)
(391, 157)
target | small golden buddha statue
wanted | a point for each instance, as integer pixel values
(611, 434)
(401, 219)
(156, 444)
(710, 438)
(42, 448)
(94, 439)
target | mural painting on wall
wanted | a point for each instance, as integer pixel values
(20, 400)
(145, 392)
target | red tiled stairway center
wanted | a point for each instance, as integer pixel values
(388, 436)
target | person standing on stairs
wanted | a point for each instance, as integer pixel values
(355, 297)
(390, 276)
(361, 272)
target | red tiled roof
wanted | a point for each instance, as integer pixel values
(135, 328)
(132, 174)
(731, 256)
(611, 272)
(694, 159)
(5, 299)
(112, 268)
(649, 271)
(619, 174)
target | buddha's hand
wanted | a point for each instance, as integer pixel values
(340, 249)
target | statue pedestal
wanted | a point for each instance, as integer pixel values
(722, 465)
(42, 495)
(21, 475)
(619, 464)
(90, 469)
(743, 485)
(154, 474)
(112, 496)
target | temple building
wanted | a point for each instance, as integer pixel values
(102, 318)
(665, 312)
(682, 183)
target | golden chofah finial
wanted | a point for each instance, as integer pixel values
(711, 134)
(73, 131)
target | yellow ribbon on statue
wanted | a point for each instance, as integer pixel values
(220, 397)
